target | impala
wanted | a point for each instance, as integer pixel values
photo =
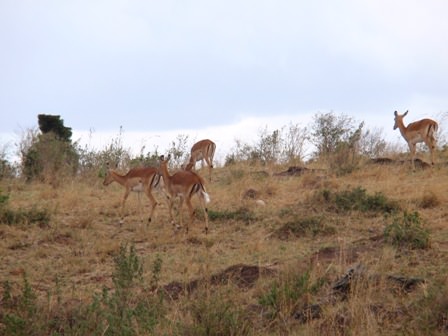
(184, 184)
(137, 180)
(419, 131)
(202, 150)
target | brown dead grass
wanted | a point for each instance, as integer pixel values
(84, 235)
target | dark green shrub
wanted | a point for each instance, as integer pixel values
(241, 214)
(407, 231)
(357, 199)
(41, 217)
(299, 227)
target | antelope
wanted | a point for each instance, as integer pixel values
(137, 180)
(184, 184)
(202, 150)
(418, 131)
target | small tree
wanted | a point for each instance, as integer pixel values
(50, 154)
(179, 150)
(294, 142)
(337, 140)
(269, 146)
(372, 143)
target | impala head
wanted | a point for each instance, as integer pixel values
(399, 119)
(109, 178)
(164, 160)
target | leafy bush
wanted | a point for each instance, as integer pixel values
(123, 310)
(407, 231)
(358, 199)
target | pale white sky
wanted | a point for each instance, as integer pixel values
(218, 69)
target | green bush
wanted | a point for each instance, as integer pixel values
(241, 214)
(41, 217)
(304, 226)
(407, 231)
(357, 199)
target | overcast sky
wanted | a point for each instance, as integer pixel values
(218, 69)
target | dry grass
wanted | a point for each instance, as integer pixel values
(78, 247)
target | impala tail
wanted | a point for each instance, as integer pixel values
(199, 189)
(206, 197)
(155, 181)
(432, 129)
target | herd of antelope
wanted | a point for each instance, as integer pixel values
(186, 183)
(183, 184)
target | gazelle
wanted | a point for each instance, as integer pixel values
(184, 184)
(138, 180)
(419, 131)
(202, 150)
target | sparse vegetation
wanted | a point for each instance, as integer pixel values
(407, 232)
(10, 216)
(241, 214)
(298, 227)
(358, 199)
(69, 268)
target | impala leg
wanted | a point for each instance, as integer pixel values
(204, 208)
(140, 206)
(412, 148)
(190, 211)
(432, 148)
(125, 197)
(210, 166)
(153, 204)
(170, 210)
(181, 202)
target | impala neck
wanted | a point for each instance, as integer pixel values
(402, 127)
(165, 174)
(118, 178)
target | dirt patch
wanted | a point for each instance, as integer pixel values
(297, 171)
(388, 161)
(243, 276)
(349, 254)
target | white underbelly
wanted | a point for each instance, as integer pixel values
(138, 187)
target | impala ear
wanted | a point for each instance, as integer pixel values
(404, 115)
(161, 158)
(395, 113)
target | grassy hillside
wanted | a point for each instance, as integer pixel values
(275, 267)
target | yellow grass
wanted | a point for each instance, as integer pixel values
(84, 235)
